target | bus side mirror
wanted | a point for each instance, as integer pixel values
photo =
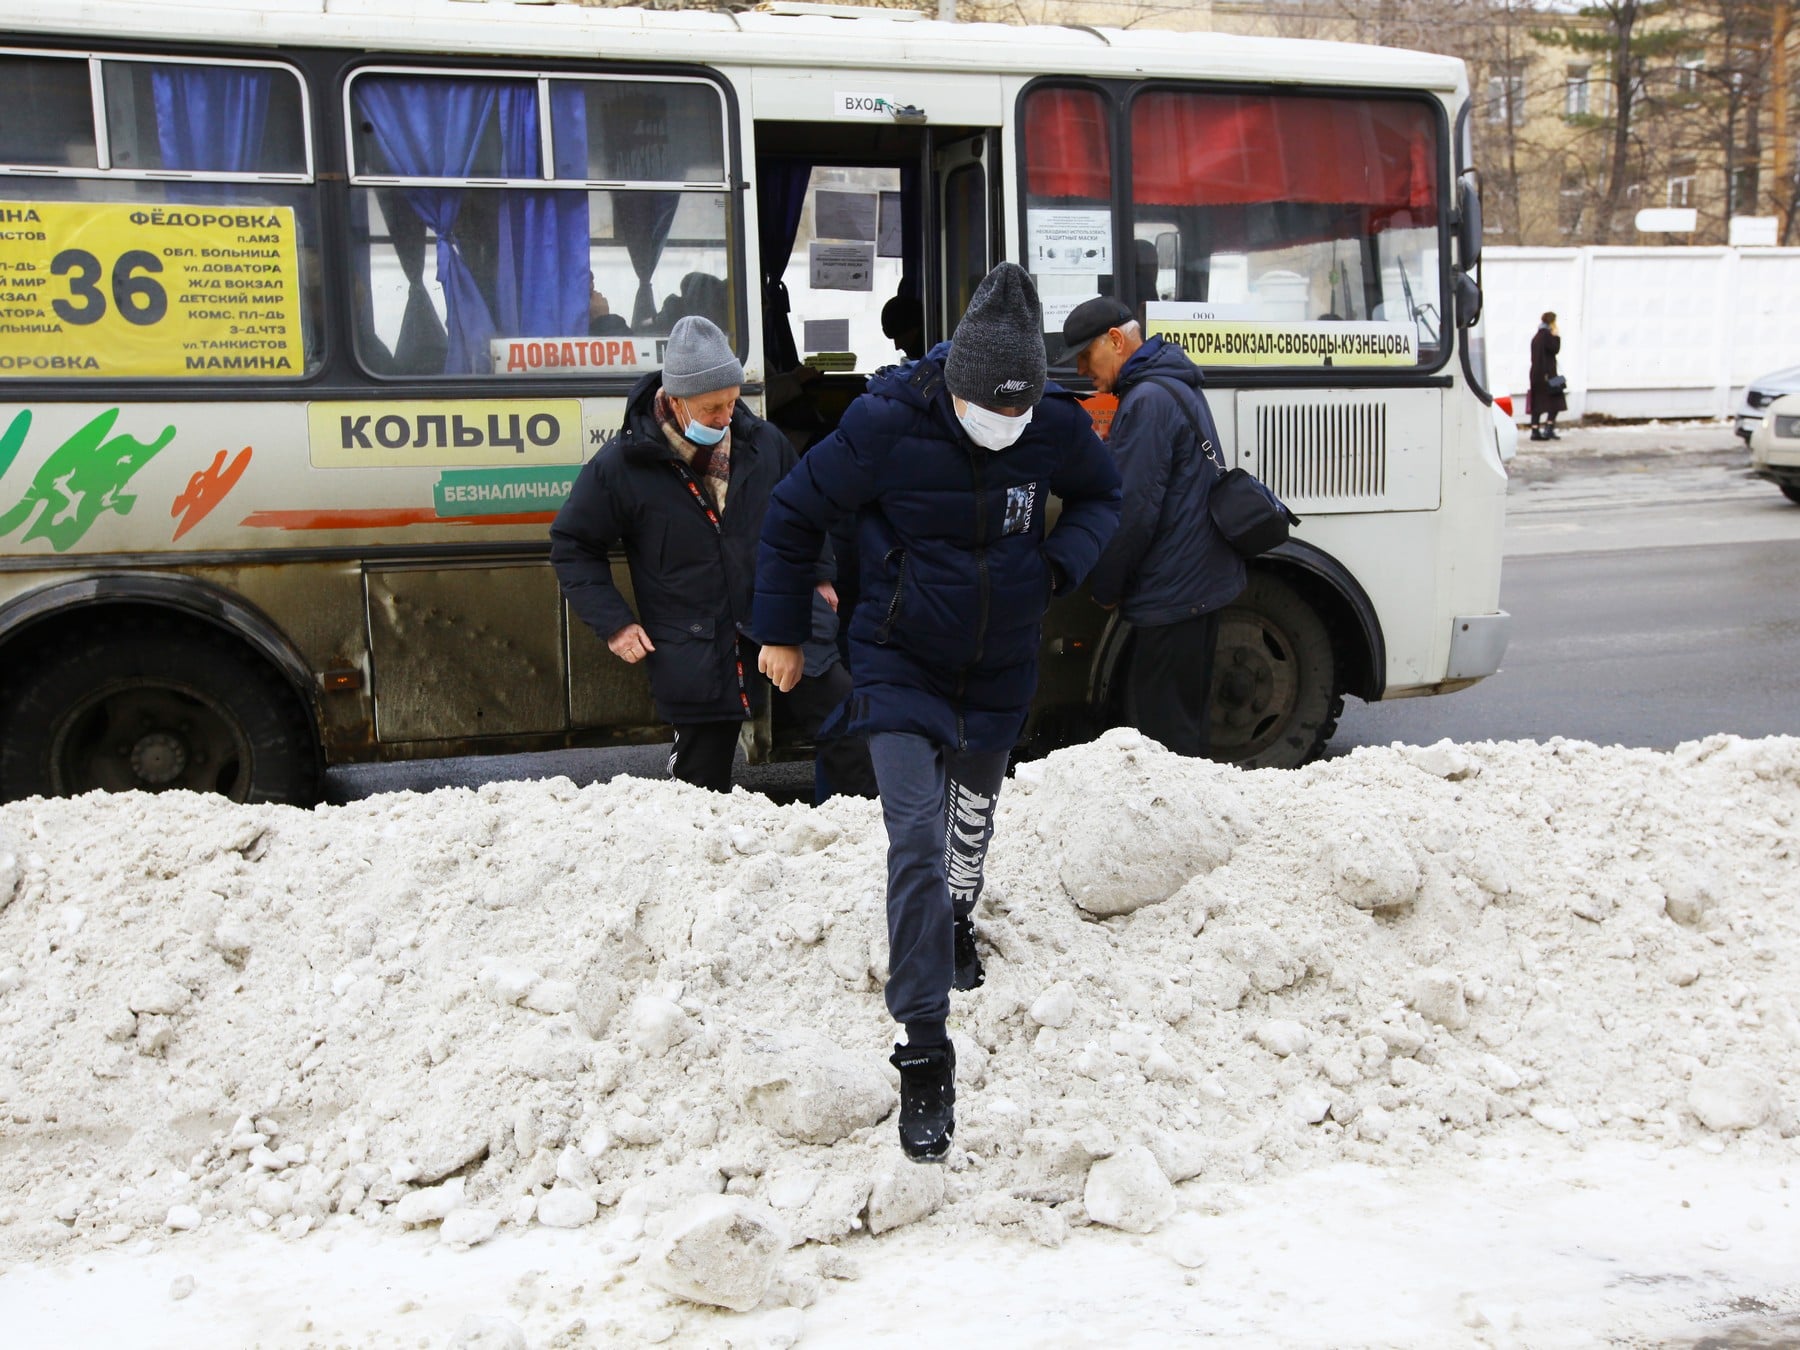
(1468, 221)
(1467, 293)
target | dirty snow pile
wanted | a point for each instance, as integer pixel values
(657, 1012)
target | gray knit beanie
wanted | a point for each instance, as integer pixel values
(997, 352)
(698, 359)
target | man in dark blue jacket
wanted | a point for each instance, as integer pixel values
(946, 465)
(1168, 569)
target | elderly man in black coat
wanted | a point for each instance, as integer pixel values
(684, 487)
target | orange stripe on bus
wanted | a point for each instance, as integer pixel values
(382, 519)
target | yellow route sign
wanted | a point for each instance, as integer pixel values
(1224, 342)
(127, 289)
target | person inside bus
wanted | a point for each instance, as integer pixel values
(903, 324)
(602, 322)
(1168, 569)
(947, 466)
(683, 487)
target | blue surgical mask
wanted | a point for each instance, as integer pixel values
(701, 434)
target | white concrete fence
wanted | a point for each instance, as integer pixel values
(1647, 332)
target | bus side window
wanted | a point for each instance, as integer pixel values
(209, 270)
(1292, 208)
(623, 231)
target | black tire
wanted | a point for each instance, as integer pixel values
(153, 706)
(1275, 700)
(1791, 491)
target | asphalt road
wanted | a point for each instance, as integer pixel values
(1653, 603)
(1653, 590)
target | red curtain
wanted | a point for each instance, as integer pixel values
(1192, 149)
(1067, 146)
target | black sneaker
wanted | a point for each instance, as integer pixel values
(969, 974)
(927, 1099)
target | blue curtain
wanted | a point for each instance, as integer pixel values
(210, 119)
(642, 220)
(780, 199)
(432, 129)
(542, 289)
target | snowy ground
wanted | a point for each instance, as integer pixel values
(1458, 1046)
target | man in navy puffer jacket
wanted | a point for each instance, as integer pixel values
(1168, 569)
(947, 465)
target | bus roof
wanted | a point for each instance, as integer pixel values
(782, 34)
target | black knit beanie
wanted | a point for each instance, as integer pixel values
(997, 352)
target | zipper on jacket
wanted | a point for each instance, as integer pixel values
(981, 563)
(712, 517)
(893, 610)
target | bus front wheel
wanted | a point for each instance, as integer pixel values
(1275, 701)
(153, 706)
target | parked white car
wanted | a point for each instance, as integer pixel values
(1775, 446)
(1760, 393)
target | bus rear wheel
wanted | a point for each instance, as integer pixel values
(1275, 701)
(154, 707)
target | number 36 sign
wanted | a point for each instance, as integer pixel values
(104, 289)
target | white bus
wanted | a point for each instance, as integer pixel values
(311, 309)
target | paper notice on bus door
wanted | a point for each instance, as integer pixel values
(842, 267)
(103, 289)
(1069, 241)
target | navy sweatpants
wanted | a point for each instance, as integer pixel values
(938, 806)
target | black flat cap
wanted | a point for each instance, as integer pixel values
(1089, 320)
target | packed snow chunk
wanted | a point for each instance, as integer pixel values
(159, 995)
(507, 981)
(1139, 853)
(1054, 1007)
(1283, 1037)
(488, 1333)
(9, 877)
(1446, 760)
(804, 1087)
(1558, 1118)
(468, 1227)
(721, 1250)
(657, 1025)
(181, 1287)
(551, 997)
(182, 1218)
(1731, 1099)
(1688, 890)
(566, 1206)
(1129, 1191)
(904, 1194)
(1438, 996)
(1373, 870)
(429, 1204)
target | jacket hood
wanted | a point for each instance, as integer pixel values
(917, 384)
(1159, 358)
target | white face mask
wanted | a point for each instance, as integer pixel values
(991, 430)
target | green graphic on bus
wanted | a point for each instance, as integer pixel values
(84, 478)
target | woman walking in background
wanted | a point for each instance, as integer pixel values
(1547, 396)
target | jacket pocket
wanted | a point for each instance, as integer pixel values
(686, 666)
(885, 629)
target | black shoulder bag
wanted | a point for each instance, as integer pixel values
(1252, 518)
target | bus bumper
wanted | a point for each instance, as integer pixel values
(1477, 642)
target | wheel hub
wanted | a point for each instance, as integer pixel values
(158, 759)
